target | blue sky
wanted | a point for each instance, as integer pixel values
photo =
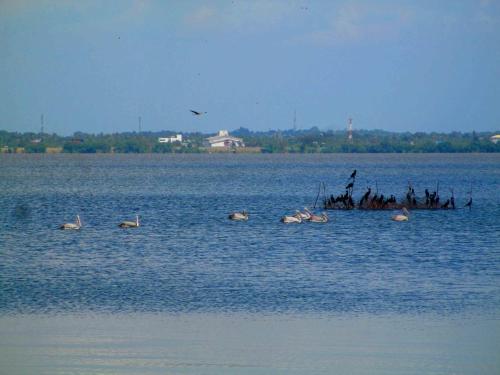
(96, 66)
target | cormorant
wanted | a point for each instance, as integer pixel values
(196, 113)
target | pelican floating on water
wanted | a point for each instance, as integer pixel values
(296, 219)
(404, 216)
(323, 218)
(239, 216)
(76, 225)
(130, 224)
(306, 215)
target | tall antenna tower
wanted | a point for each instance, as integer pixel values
(295, 120)
(349, 130)
(41, 124)
(140, 123)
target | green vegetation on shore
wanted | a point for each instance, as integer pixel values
(290, 141)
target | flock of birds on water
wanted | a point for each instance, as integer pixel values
(78, 224)
(373, 201)
(306, 215)
(299, 217)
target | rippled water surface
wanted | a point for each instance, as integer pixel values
(190, 292)
(188, 257)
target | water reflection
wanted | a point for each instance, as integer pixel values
(247, 344)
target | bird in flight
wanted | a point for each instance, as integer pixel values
(196, 113)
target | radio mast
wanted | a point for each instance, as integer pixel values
(349, 130)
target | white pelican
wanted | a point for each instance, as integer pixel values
(306, 215)
(323, 218)
(76, 225)
(130, 224)
(239, 216)
(292, 219)
(404, 216)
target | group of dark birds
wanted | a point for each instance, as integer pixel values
(375, 201)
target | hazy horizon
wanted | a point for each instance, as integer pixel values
(173, 131)
(391, 65)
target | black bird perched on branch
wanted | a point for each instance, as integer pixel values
(365, 197)
(353, 174)
(196, 113)
(381, 199)
(350, 185)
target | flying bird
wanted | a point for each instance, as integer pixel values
(196, 113)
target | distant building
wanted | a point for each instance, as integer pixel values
(172, 139)
(36, 140)
(495, 138)
(223, 139)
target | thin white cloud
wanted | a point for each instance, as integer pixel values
(354, 22)
(487, 15)
(237, 16)
(202, 17)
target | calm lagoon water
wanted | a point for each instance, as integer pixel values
(191, 292)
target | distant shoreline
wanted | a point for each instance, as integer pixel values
(242, 140)
(242, 153)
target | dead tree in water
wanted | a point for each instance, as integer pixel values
(317, 196)
(469, 203)
(437, 194)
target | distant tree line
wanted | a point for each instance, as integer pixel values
(310, 140)
(366, 141)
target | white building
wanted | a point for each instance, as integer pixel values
(223, 139)
(172, 139)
